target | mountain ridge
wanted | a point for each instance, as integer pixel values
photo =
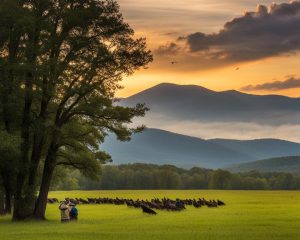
(164, 147)
(195, 103)
(199, 87)
(289, 164)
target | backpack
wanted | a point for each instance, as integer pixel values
(74, 212)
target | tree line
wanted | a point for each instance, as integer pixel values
(148, 176)
(61, 63)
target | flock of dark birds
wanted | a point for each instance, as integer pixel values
(147, 206)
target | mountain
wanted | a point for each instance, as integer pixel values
(195, 103)
(283, 164)
(163, 147)
(261, 148)
(200, 112)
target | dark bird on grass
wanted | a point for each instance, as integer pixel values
(148, 210)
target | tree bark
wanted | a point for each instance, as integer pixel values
(2, 203)
(37, 148)
(8, 195)
(39, 137)
(50, 163)
(21, 209)
(25, 197)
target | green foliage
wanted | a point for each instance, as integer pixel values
(220, 179)
(65, 178)
(9, 155)
(148, 176)
(9, 149)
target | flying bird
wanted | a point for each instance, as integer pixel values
(237, 69)
(173, 62)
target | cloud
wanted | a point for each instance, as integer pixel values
(289, 83)
(167, 49)
(267, 32)
(234, 130)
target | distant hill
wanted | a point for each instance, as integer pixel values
(194, 103)
(283, 164)
(261, 148)
(163, 147)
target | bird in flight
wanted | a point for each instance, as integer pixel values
(173, 62)
(237, 69)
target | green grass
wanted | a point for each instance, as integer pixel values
(248, 215)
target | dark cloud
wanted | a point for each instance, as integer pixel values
(256, 35)
(289, 83)
(167, 49)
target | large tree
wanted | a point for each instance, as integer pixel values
(62, 62)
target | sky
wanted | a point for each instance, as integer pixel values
(250, 46)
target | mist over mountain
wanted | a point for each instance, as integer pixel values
(200, 112)
(162, 147)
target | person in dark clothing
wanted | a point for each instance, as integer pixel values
(73, 212)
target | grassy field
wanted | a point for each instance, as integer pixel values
(248, 215)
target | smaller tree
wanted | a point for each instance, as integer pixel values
(9, 154)
(2, 202)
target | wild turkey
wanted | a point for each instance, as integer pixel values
(148, 210)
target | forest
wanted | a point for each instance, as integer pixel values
(148, 176)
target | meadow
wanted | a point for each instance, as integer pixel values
(248, 215)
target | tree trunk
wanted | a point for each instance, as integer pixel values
(38, 144)
(25, 195)
(21, 208)
(7, 204)
(8, 195)
(39, 137)
(6, 191)
(50, 163)
(2, 203)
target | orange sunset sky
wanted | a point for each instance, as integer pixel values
(167, 25)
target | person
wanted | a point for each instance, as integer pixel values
(73, 212)
(64, 211)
